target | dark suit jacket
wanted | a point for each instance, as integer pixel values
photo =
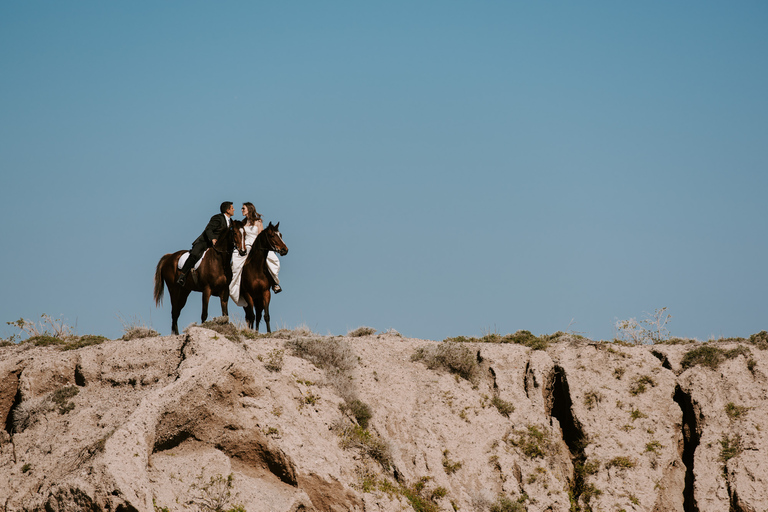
(212, 231)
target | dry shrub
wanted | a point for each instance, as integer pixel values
(454, 357)
(361, 331)
(137, 332)
(325, 353)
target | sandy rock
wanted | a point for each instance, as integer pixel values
(183, 421)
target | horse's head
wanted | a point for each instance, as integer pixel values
(238, 237)
(275, 239)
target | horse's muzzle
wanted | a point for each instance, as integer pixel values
(283, 252)
(242, 253)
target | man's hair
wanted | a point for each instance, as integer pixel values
(225, 206)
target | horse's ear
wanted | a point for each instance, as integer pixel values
(270, 225)
(277, 226)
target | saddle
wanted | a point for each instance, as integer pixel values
(184, 257)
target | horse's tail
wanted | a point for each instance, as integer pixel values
(159, 284)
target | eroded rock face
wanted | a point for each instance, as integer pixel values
(175, 421)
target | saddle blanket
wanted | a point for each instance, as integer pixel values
(185, 256)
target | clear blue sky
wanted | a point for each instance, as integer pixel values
(440, 168)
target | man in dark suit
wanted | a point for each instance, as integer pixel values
(207, 238)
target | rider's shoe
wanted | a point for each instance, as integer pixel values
(277, 288)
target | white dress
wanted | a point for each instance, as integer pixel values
(251, 232)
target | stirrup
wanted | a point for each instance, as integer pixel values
(276, 288)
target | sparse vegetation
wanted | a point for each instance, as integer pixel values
(730, 447)
(26, 468)
(454, 357)
(505, 408)
(638, 386)
(504, 504)
(760, 339)
(361, 331)
(533, 442)
(636, 414)
(325, 353)
(592, 398)
(359, 410)
(520, 337)
(50, 332)
(618, 372)
(61, 397)
(734, 411)
(215, 495)
(274, 360)
(134, 328)
(653, 447)
(370, 444)
(653, 329)
(711, 356)
(621, 463)
(449, 465)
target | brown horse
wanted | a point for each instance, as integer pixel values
(211, 278)
(256, 281)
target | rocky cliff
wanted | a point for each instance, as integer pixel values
(295, 421)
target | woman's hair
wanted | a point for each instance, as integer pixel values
(252, 216)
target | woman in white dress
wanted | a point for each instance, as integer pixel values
(252, 227)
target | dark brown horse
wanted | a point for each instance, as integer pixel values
(211, 278)
(256, 281)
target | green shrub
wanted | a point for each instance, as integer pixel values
(730, 447)
(532, 442)
(45, 340)
(711, 356)
(505, 408)
(734, 411)
(359, 410)
(653, 446)
(84, 341)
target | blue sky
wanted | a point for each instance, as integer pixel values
(440, 168)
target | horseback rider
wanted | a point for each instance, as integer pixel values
(207, 238)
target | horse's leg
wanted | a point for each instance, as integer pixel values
(248, 308)
(267, 297)
(224, 302)
(206, 298)
(178, 300)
